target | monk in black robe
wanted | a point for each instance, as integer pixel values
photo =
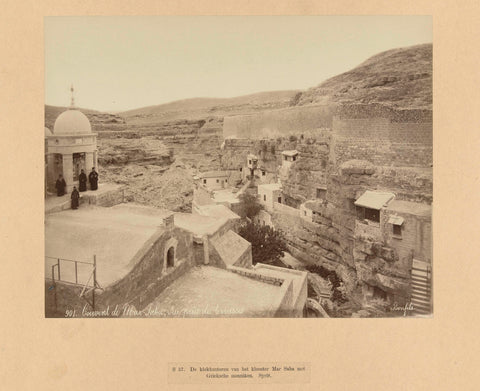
(82, 179)
(93, 179)
(60, 185)
(75, 197)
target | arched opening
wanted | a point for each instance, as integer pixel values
(171, 257)
(78, 164)
(54, 169)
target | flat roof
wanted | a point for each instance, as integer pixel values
(230, 247)
(198, 224)
(271, 186)
(225, 195)
(292, 152)
(113, 234)
(218, 211)
(409, 207)
(396, 220)
(208, 291)
(296, 276)
(213, 174)
(374, 199)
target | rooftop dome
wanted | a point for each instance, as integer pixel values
(72, 122)
(48, 132)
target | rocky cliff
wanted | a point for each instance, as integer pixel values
(398, 78)
(374, 135)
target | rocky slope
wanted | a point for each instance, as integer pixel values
(199, 108)
(380, 139)
(399, 78)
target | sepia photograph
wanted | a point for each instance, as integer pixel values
(238, 166)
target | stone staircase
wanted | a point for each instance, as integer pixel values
(421, 297)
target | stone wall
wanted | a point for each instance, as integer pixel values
(67, 299)
(362, 147)
(105, 199)
(285, 309)
(277, 123)
(415, 240)
(148, 276)
(383, 142)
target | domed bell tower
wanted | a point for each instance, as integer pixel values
(70, 148)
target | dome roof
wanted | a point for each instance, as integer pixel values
(48, 132)
(72, 122)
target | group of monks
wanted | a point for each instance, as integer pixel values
(60, 185)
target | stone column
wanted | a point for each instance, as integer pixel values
(89, 162)
(206, 250)
(68, 170)
(51, 173)
(95, 160)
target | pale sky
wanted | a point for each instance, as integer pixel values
(122, 63)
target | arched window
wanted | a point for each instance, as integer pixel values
(170, 254)
(171, 257)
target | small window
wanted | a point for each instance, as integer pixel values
(397, 230)
(218, 180)
(205, 181)
(321, 193)
(240, 169)
(294, 158)
(249, 162)
(372, 215)
(360, 213)
(263, 173)
(285, 157)
(264, 197)
(279, 200)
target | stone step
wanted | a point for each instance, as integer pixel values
(420, 266)
(421, 291)
(420, 299)
(420, 284)
(420, 305)
(420, 271)
(419, 274)
(422, 287)
(420, 280)
(421, 309)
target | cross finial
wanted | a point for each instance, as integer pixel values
(72, 102)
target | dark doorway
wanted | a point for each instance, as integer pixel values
(170, 257)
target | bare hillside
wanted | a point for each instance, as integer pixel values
(399, 78)
(199, 108)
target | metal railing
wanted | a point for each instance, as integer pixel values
(92, 274)
(63, 260)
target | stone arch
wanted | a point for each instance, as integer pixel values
(170, 254)
(171, 257)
